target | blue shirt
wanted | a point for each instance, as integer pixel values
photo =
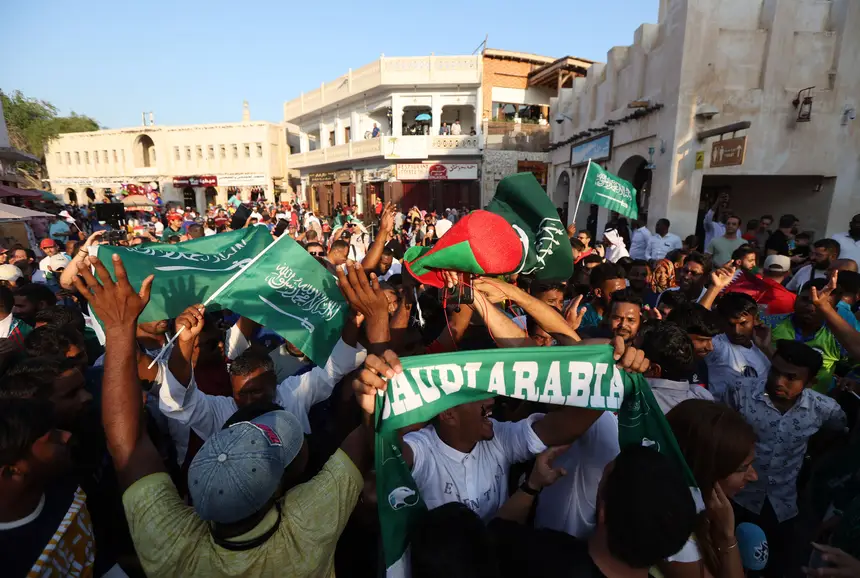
(591, 318)
(845, 312)
(782, 439)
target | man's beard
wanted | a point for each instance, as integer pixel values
(821, 265)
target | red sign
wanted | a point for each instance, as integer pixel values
(437, 173)
(204, 181)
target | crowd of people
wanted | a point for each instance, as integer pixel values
(235, 455)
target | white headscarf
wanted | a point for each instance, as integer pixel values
(616, 249)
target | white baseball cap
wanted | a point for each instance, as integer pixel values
(58, 261)
(10, 273)
(777, 263)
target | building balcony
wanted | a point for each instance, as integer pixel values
(387, 71)
(346, 152)
(516, 136)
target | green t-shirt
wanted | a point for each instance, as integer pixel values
(722, 249)
(824, 342)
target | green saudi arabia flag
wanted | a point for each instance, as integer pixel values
(600, 187)
(580, 376)
(289, 292)
(275, 283)
(189, 272)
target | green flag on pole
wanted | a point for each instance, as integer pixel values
(580, 376)
(600, 187)
(289, 292)
(189, 272)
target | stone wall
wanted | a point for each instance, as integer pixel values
(498, 165)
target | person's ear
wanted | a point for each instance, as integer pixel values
(654, 371)
(598, 292)
(448, 417)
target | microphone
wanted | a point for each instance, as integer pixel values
(752, 544)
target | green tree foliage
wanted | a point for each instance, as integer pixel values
(32, 123)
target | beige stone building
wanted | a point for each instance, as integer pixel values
(194, 165)
(780, 78)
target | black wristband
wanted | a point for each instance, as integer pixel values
(528, 489)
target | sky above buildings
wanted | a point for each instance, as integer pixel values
(195, 61)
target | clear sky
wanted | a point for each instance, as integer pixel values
(195, 61)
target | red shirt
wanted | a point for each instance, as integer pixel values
(778, 299)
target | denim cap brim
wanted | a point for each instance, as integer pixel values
(239, 468)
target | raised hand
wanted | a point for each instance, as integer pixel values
(821, 299)
(386, 225)
(374, 377)
(573, 313)
(192, 321)
(839, 564)
(544, 473)
(721, 516)
(494, 290)
(363, 294)
(116, 303)
(629, 358)
(720, 278)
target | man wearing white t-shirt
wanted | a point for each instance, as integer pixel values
(735, 354)
(824, 252)
(464, 455)
(662, 242)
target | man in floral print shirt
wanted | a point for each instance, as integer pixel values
(785, 412)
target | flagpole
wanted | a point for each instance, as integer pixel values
(582, 188)
(218, 292)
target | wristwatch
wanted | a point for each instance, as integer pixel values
(528, 489)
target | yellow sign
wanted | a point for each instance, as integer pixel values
(700, 160)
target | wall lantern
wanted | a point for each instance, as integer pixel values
(803, 104)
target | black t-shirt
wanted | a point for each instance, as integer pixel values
(22, 545)
(700, 375)
(780, 243)
(525, 551)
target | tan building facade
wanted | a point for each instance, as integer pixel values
(194, 165)
(783, 78)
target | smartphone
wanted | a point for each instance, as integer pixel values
(462, 293)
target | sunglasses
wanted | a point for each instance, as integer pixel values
(316, 253)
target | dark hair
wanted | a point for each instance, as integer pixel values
(664, 222)
(848, 282)
(734, 304)
(539, 287)
(701, 259)
(51, 340)
(753, 224)
(59, 315)
(799, 354)
(576, 244)
(451, 541)
(803, 235)
(715, 440)
(22, 422)
(593, 258)
(310, 235)
(648, 508)
(820, 284)
(339, 245)
(173, 240)
(314, 244)
(194, 231)
(692, 241)
(696, 319)
(34, 377)
(669, 346)
(388, 252)
(37, 293)
(7, 299)
(640, 263)
(742, 252)
(828, 245)
(584, 232)
(625, 262)
(251, 411)
(768, 217)
(675, 253)
(280, 228)
(251, 360)
(673, 299)
(740, 221)
(606, 272)
(627, 295)
(787, 221)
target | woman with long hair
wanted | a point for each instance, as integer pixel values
(719, 447)
(663, 277)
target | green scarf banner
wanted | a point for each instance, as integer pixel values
(578, 376)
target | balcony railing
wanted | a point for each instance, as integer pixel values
(516, 136)
(409, 71)
(345, 152)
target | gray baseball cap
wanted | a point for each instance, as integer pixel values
(239, 468)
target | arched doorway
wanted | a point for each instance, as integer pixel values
(189, 198)
(634, 171)
(91, 195)
(72, 196)
(211, 196)
(144, 151)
